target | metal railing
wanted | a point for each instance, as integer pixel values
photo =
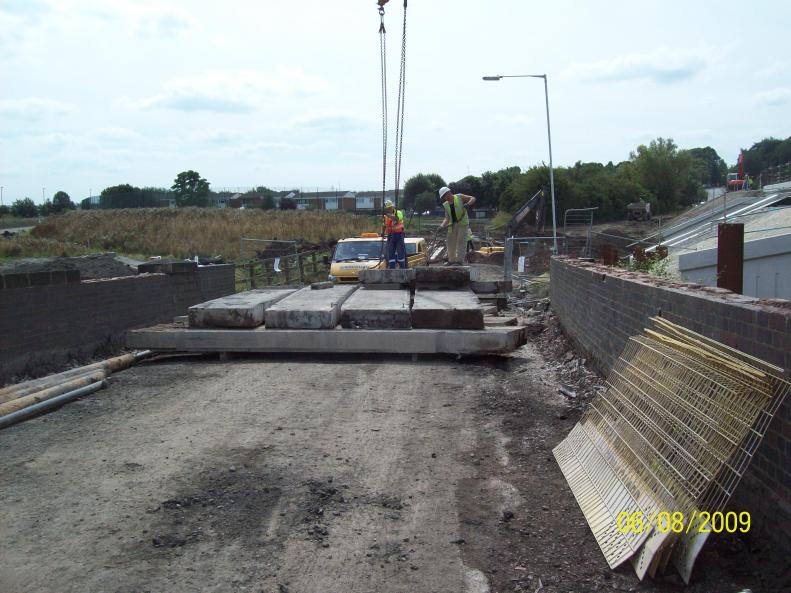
(296, 268)
(580, 217)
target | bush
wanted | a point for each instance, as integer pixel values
(24, 208)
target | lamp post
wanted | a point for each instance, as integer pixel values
(549, 140)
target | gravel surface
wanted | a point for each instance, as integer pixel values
(98, 265)
(312, 475)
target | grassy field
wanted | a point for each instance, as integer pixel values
(10, 222)
(179, 232)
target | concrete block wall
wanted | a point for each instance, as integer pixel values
(600, 307)
(44, 326)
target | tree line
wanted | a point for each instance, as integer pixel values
(658, 172)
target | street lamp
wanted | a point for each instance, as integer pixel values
(549, 139)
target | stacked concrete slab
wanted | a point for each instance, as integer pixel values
(446, 309)
(442, 277)
(309, 309)
(244, 309)
(388, 279)
(370, 308)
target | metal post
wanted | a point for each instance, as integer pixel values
(551, 172)
(730, 257)
(507, 257)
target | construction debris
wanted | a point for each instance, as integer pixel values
(667, 442)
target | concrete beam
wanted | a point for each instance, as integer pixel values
(442, 277)
(244, 309)
(446, 309)
(499, 321)
(377, 309)
(491, 286)
(496, 340)
(397, 276)
(309, 309)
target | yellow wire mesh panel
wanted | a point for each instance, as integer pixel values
(673, 432)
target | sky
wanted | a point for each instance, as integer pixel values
(287, 94)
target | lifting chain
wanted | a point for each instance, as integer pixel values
(399, 134)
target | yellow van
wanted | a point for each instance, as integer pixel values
(369, 252)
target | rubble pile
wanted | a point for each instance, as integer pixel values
(578, 382)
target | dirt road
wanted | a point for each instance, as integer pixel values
(308, 476)
(250, 475)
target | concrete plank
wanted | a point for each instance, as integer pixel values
(446, 309)
(244, 309)
(442, 277)
(498, 321)
(491, 286)
(370, 308)
(309, 309)
(397, 276)
(496, 340)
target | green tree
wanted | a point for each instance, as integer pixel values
(25, 208)
(418, 184)
(268, 201)
(425, 201)
(4, 211)
(62, 201)
(190, 189)
(769, 152)
(122, 196)
(527, 184)
(46, 209)
(494, 183)
(665, 172)
(708, 167)
(288, 204)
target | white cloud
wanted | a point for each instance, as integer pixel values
(239, 91)
(773, 98)
(33, 108)
(662, 66)
(330, 121)
(165, 21)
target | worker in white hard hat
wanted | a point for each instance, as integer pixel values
(457, 221)
(394, 229)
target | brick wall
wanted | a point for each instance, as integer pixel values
(599, 307)
(44, 326)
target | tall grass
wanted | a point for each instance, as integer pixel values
(26, 246)
(185, 232)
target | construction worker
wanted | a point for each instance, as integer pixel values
(457, 222)
(394, 229)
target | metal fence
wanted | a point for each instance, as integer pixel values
(295, 268)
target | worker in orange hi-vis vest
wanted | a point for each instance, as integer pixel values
(456, 206)
(394, 229)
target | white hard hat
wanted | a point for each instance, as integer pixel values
(388, 203)
(443, 191)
